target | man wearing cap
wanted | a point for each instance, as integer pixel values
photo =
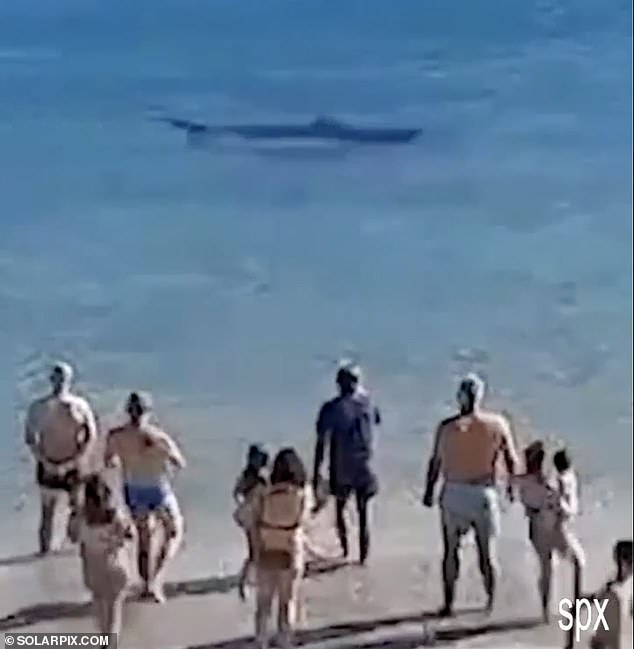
(60, 431)
(466, 450)
(345, 425)
(148, 456)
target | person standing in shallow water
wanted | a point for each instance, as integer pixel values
(345, 425)
(60, 431)
(148, 455)
(466, 450)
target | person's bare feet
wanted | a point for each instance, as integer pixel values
(157, 593)
(153, 592)
(72, 529)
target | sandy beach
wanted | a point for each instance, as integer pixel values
(390, 603)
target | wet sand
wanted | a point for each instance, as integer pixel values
(390, 603)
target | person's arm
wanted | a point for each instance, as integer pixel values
(309, 504)
(568, 503)
(509, 454)
(31, 431)
(378, 420)
(433, 470)
(110, 453)
(238, 488)
(323, 432)
(169, 446)
(256, 513)
(91, 431)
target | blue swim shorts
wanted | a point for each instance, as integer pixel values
(143, 499)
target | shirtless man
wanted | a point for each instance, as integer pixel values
(466, 451)
(148, 455)
(60, 431)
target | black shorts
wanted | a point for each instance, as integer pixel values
(364, 490)
(68, 481)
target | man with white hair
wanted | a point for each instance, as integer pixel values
(466, 450)
(345, 424)
(60, 431)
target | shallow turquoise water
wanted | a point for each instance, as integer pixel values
(227, 281)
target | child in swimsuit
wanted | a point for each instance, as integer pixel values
(565, 541)
(539, 497)
(252, 478)
(549, 509)
(105, 538)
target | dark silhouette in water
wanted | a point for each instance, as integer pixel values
(322, 128)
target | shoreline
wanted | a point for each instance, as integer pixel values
(383, 605)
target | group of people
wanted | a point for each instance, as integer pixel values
(274, 509)
(467, 451)
(275, 501)
(112, 517)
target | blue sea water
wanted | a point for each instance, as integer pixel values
(227, 281)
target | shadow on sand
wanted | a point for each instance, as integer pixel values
(343, 632)
(73, 610)
(410, 640)
(33, 557)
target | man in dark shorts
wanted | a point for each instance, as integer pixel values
(345, 424)
(60, 431)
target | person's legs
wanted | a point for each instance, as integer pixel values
(485, 543)
(574, 552)
(289, 582)
(141, 517)
(452, 531)
(99, 611)
(486, 526)
(577, 565)
(342, 532)
(113, 612)
(246, 567)
(545, 557)
(564, 542)
(542, 542)
(75, 497)
(170, 516)
(266, 587)
(364, 529)
(144, 549)
(49, 500)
